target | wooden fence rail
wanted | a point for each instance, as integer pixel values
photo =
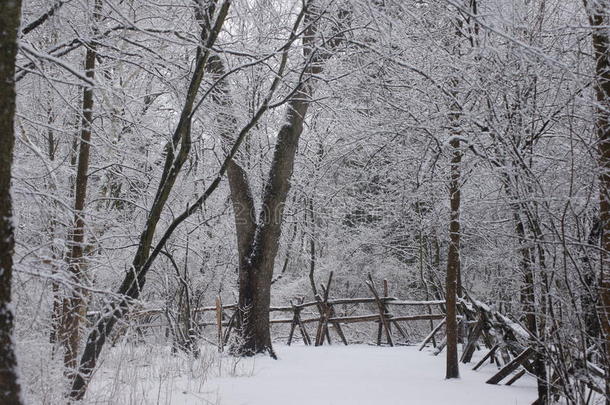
(327, 317)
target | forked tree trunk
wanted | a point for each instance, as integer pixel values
(453, 261)
(257, 271)
(10, 13)
(599, 18)
(258, 241)
(73, 308)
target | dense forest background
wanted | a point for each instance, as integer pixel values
(401, 139)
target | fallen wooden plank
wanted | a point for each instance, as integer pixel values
(473, 338)
(489, 354)
(511, 366)
(516, 377)
(441, 346)
(400, 329)
(431, 334)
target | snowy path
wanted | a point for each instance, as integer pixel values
(361, 375)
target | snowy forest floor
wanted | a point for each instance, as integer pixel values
(328, 375)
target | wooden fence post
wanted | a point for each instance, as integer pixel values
(431, 335)
(382, 313)
(473, 338)
(219, 323)
(490, 355)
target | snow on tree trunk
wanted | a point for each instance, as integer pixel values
(10, 12)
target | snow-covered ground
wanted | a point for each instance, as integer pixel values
(328, 375)
(364, 375)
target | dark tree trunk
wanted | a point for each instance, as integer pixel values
(177, 151)
(453, 262)
(255, 294)
(256, 272)
(239, 185)
(528, 301)
(599, 12)
(73, 309)
(312, 248)
(10, 13)
(58, 294)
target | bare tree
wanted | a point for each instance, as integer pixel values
(256, 270)
(453, 260)
(10, 13)
(177, 150)
(74, 305)
(599, 18)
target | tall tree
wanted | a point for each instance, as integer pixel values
(599, 18)
(453, 282)
(453, 260)
(74, 305)
(10, 14)
(176, 152)
(256, 270)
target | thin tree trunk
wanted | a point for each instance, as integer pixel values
(56, 316)
(312, 248)
(74, 305)
(56, 311)
(177, 151)
(453, 261)
(598, 13)
(528, 290)
(10, 13)
(528, 301)
(590, 297)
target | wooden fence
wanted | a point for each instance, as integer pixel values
(327, 316)
(323, 312)
(510, 346)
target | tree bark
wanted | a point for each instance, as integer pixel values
(256, 272)
(312, 247)
(239, 185)
(73, 309)
(598, 12)
(10, 13)
(453, 261)
(255, 294)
